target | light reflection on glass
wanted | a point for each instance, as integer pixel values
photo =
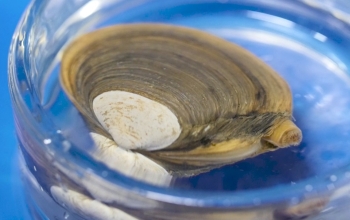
(270, 19)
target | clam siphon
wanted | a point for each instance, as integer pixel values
(183, 100)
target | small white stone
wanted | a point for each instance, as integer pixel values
(129, 163)
(47, 141)
(102, 190)
(136, 122)
(87, 207)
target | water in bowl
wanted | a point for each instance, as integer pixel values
(306, 45)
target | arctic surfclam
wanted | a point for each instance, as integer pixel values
(188, 100)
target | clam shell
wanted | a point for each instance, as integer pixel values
(187, 99)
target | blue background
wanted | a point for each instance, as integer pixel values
(11, 201)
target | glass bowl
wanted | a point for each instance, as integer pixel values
(306, 41)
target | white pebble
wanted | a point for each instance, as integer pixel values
(87, 207)
(136, 122)
(129, 163)
(47, 141)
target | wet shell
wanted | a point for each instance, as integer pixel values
(188, 100)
